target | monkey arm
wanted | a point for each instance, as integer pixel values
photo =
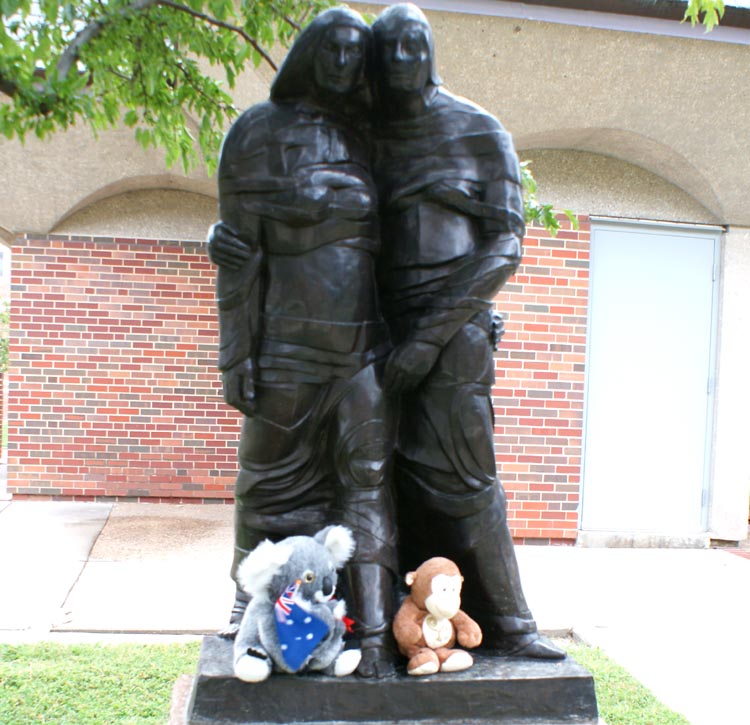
(468, 632)
(407, 627)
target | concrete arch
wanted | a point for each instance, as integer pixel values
(153, 212)
(146, 182)
(45, 181)
(6, 237)
(632, 148)
(591, 183)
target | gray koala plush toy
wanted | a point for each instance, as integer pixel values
(293, 623)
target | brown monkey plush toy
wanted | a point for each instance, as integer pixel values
(430, 621)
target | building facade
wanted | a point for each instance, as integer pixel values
(621, 392)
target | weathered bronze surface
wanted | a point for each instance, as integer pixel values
(497, 690)
(368, 219)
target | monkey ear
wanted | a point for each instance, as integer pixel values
(410, 578)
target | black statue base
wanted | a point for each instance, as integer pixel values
(495, 690)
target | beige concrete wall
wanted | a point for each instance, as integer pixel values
(150, 214)
(45, 182)
(617, 124)
(602, 185)
(584, 182)
(731, 474)
(673, 106)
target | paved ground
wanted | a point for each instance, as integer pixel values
(677, 619)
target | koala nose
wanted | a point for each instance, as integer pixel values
(327, 586)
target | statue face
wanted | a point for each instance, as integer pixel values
(339, 60)
(404, 57)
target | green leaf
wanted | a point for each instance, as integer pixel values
(712, 11)
(9, 7)
(50, 8)
(572, 218)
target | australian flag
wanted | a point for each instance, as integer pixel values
(299, 631)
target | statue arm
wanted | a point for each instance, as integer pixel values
(239, 297)
(470, 289)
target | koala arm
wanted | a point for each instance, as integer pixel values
(248, 639)
(468, 632)
(407, 627)
(338, 608)
(328, 650)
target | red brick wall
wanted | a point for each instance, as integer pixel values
(538, 394)
(114, 390)
(113, 384)
(2, 399)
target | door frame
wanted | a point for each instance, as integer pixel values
(638, 538)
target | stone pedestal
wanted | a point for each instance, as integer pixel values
(496, 690)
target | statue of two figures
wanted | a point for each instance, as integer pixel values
(368, 218)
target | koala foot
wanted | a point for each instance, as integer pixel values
(457, 661)
(252, 667)
(425, 662)
(347, 662)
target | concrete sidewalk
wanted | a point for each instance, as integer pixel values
(114, 568)
(677, 619)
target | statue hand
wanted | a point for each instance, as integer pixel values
(409, 364)
(225, 248)
(239, 387)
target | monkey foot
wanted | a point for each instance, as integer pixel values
(458, 660)
(425, 662)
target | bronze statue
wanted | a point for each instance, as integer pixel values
(302, 339)
(452, 226)
(303, 322)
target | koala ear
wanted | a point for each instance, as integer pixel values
(258, 568)
(339, 542)
(410, 578)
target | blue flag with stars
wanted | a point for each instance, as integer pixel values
(299, 631)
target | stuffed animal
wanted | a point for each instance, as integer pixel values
(293, 623)
(430, 621)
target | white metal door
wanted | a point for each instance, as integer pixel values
(649, 372)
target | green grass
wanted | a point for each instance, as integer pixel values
(54, 683)
(622, 699)
(129, 683)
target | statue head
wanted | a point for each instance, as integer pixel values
(329, 63)
(404, 50)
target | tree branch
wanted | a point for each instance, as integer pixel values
(286, 18)
(220, 24)
(226, 108)
(71, 54)
(10, 88)
(7, 87)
